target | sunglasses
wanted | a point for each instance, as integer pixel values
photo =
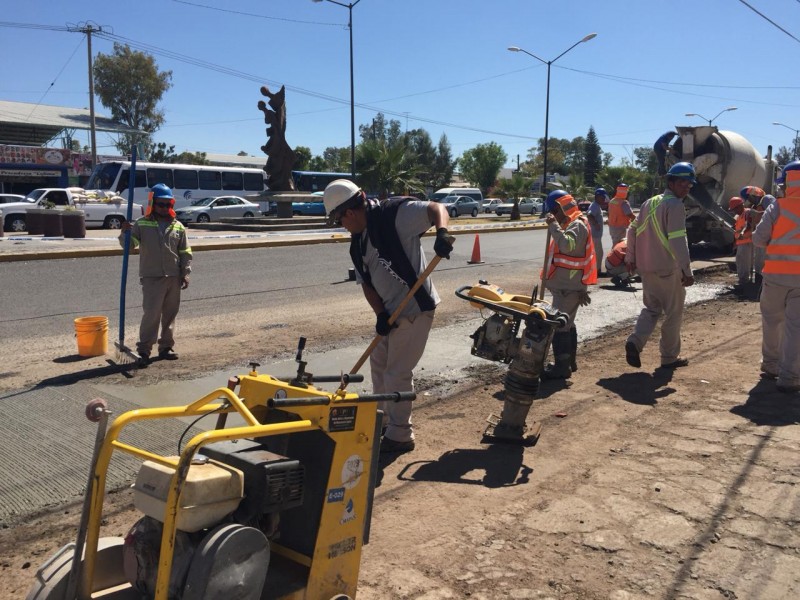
(337, 219)
(162, 204)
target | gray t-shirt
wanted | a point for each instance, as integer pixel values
(411, 222)
(597, 219)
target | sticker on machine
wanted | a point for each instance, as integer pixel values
(349, 512)
(352, 471)
(342, 418)
(336, 495)
(343, 547)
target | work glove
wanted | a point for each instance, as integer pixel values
(443, 246)
(382, 326)
(584, 299)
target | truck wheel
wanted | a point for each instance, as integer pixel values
(113, 222)
(204, 218)
(16, 223)
(248, 215)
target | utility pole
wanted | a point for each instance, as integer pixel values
(88, 29)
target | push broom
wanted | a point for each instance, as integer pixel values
(124, 354)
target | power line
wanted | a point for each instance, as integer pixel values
(246, 14)
(770, 21)
(52, 83)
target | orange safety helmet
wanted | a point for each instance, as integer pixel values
(734, 202)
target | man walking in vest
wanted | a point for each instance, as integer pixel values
(658, 249)
(570, 267)
(387, 254)
(620, 214)
(779, 233)
(165, 261)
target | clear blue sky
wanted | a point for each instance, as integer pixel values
(438, 64)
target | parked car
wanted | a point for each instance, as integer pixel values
(584, 205)
(490, 204)
(316, 208)
(527, 206)
(213, 209)
(460, 205)
(6, 198)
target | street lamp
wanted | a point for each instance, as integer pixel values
(796, 138)
(547, 102)
(714, 119)
(349, 8)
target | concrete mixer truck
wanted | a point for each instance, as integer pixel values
(725, 162)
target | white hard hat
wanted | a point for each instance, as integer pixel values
(337, 193)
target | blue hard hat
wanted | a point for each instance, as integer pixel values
(792, 166)
(684, 170)
(552, 199)
(161, 191)
(600, 192)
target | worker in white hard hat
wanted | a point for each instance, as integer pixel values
(388, 257)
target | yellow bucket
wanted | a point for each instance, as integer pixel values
(92, 335)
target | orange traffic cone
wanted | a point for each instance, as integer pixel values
(476, 252)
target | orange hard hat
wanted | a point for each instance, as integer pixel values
(734, 202)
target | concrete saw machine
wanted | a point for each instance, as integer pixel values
(502, 338)
(276, 504)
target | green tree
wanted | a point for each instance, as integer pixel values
(386, 170)
(784, 155)
(443, 164)
(192, 158)
(317, 163)
(481, 164)
(303, 154)
(161, 153)
(336, 159)
(515, 188)
(593, 159)
(422, 152)
(130, 85)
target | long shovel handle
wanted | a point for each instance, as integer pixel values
(425, 274)
(126, 249)
(544, 268)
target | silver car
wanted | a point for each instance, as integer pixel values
(213, 209)
(460, 205)
(527, 206)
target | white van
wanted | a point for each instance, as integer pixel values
(473, 193)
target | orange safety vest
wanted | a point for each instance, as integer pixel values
(617, 255)
(783, 250)
(617, 218)
(742, 221)
(586, 263)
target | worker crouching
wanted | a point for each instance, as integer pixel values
(570, 267)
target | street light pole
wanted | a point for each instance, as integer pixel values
(547, 96)
(349, 8)
(796, 149)
(715, 118)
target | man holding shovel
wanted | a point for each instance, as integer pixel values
(388, 258)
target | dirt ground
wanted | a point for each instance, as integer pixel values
(645, 483)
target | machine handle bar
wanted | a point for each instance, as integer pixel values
(325, 400)
(503, 310)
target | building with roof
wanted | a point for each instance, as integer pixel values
(35, 141)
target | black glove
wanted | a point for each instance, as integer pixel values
(382, 326)
(442, 246)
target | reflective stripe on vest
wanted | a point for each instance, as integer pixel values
(587, 263)
(650, 218)
(783, 249)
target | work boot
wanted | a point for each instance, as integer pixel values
(560, 369)
(573, 349)
(167, 354)
(144, 360)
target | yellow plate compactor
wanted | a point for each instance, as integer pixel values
(276, 505)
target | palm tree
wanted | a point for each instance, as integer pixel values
(387, 169)
(517, 187)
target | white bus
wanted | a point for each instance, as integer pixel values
(188, 182)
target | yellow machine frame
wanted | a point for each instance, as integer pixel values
(350, 422)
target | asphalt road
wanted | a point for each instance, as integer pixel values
(42, 294)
